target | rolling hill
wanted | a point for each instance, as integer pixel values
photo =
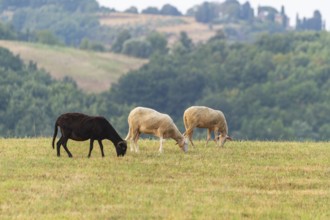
(93, 72)
(169, 25)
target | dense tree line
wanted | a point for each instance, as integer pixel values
(242, 24)
(74, 23)
(69, 28)
(67, 5)
(71, 23)
(314, 23)
(275, 88)
(167, 9)
(30, 100)
(153, 43)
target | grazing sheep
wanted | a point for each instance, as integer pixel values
(80, 127)
(149, 121)
(204, 117)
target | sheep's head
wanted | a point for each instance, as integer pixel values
(121, 148)
(184, 144)
(222, 139)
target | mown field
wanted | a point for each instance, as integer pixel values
(244, 180)
(171, 26)
(93, 71)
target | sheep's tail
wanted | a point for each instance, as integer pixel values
(185, 124)
(54, 136)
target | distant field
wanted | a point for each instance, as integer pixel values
(244, 180)
(93, 72)
(171, 25)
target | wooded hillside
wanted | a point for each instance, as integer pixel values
(274, 89)
(93, 71)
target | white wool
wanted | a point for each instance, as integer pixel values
(205, 117)
(149, 121)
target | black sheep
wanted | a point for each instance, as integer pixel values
(81, 127)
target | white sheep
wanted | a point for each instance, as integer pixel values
(204, 117)
(149, 121)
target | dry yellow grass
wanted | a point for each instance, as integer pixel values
(93, 72)
(170, 25)
(244, 180)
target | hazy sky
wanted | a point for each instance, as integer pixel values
(304, 8)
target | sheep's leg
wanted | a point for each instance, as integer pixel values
(161, 145)
(132, 143)
(190, 134)
(58, 146)
(216, 136)
(65, 147)
(208, 136)
(90, 147)
(136, 138)
(101, 147)
(129, 137)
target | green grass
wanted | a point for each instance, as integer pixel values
(93, 72)
(244, 180)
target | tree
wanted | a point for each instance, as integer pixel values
(132, 10)
(7, 32)
(47, 37)
(230, 10)
(151, 10)
(9, 61)
(122, 37)
(247, 12)
(220, 35)
(315, 23)
(185, 41)
(158, 42)
(168, 9)
(72, 5)
(137, 48)
(205, 13)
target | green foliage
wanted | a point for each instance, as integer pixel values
(315, 23)
(132, 10)
(86, 45)
(151, 10)
(68, 21)
(67, 5)
(168, 9)
(143, 48)
(273, 89)
(137, 48)
(205, 13)
(240, 23)
(46, 37)
(70, 28)
(118, 45)
(158, 42)
(7, 32)
(276, 88)
(185, 41)
(31, 100)
(9, 61)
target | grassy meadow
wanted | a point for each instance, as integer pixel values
(244, 180)
(93, 71)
